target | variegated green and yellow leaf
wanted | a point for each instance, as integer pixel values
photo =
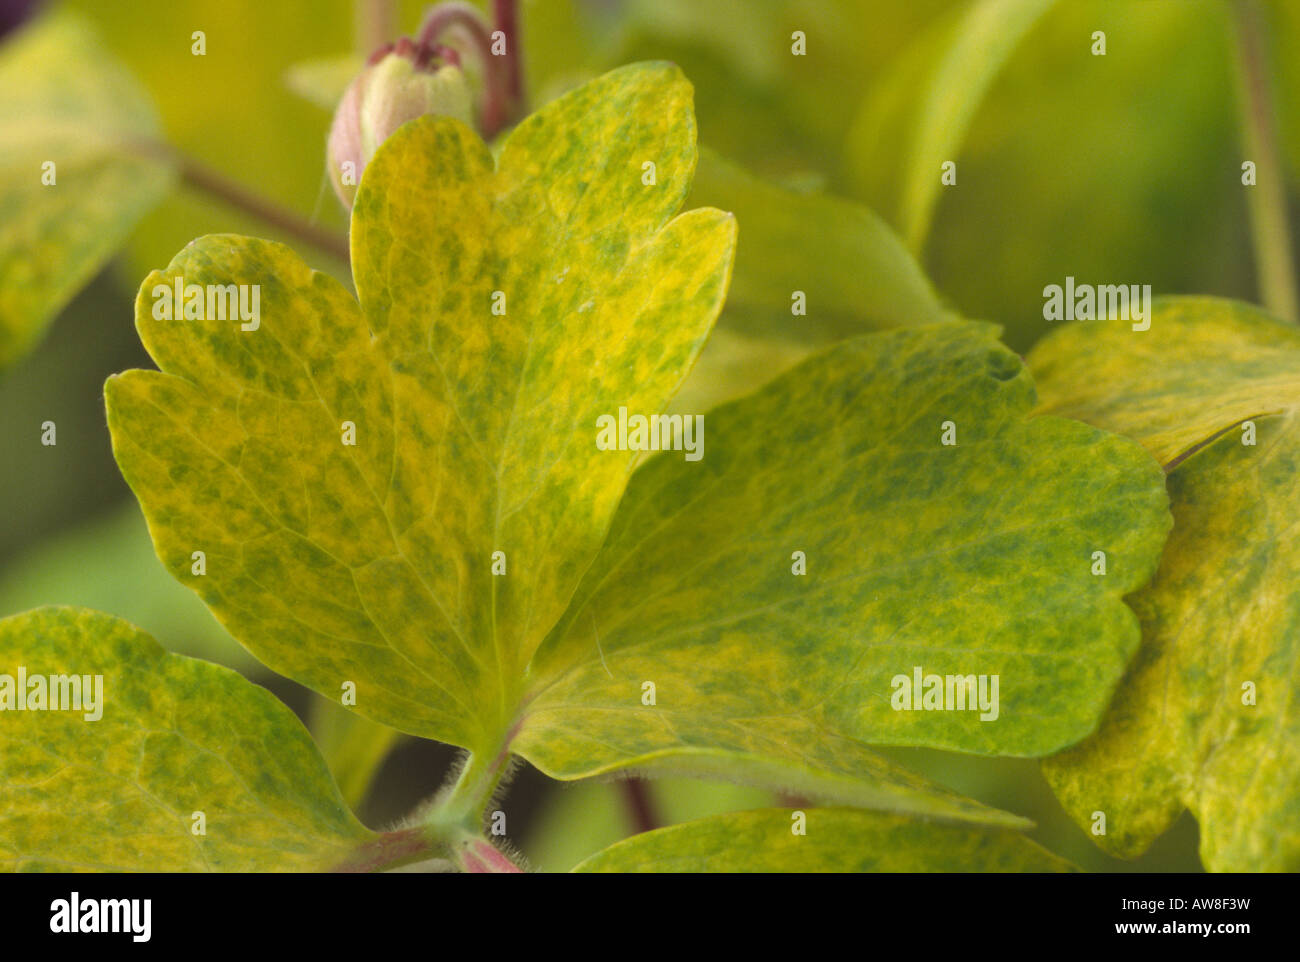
(1206, 718)
(503, 307)
(971, 559)
(170, 765)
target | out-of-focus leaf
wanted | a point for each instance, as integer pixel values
(59, 486)
(1065, 169)
(731, 365)
(758, 102)
(582, 818)
(175, 737)
(856, 273)
(852, 273)
(1019, 784)
(230, 106)
(109, 564)
(836, 840)
(1207, 717)
(323, 80)
(957, 74)
(1282, 66)
(354, 747)
(73, 178)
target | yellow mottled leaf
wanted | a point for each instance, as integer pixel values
(1205, 365)
(503, 307)
(1206, 717)
(170, 765)
(829, 543)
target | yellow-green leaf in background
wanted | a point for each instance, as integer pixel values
(810, 269)
(856, 274)
(1206, 717)
(830, 543)
(230, 107)
(402, 495)
(109, 564)
(761, 103)
(171, 764)
(354, 747)
(832, 840)
(239, 106)
(324, 80)
(73, 177)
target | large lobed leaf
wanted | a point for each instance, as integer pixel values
(69, 103)
(973, 559)
(176, 736)
(1223, 612)
(475, 431)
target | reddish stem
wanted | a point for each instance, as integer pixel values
(389, 850)
(506, 14)
(641, 807)
(502, 78)
(483, 858)
(213, 182)
(445, 15)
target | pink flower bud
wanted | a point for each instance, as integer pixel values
(396, 88)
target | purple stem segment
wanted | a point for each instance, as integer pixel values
(641, 808)
(389, 850)
(506, 13)
(479, 857)
(502, 80)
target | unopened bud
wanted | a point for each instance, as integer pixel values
(396, 88)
